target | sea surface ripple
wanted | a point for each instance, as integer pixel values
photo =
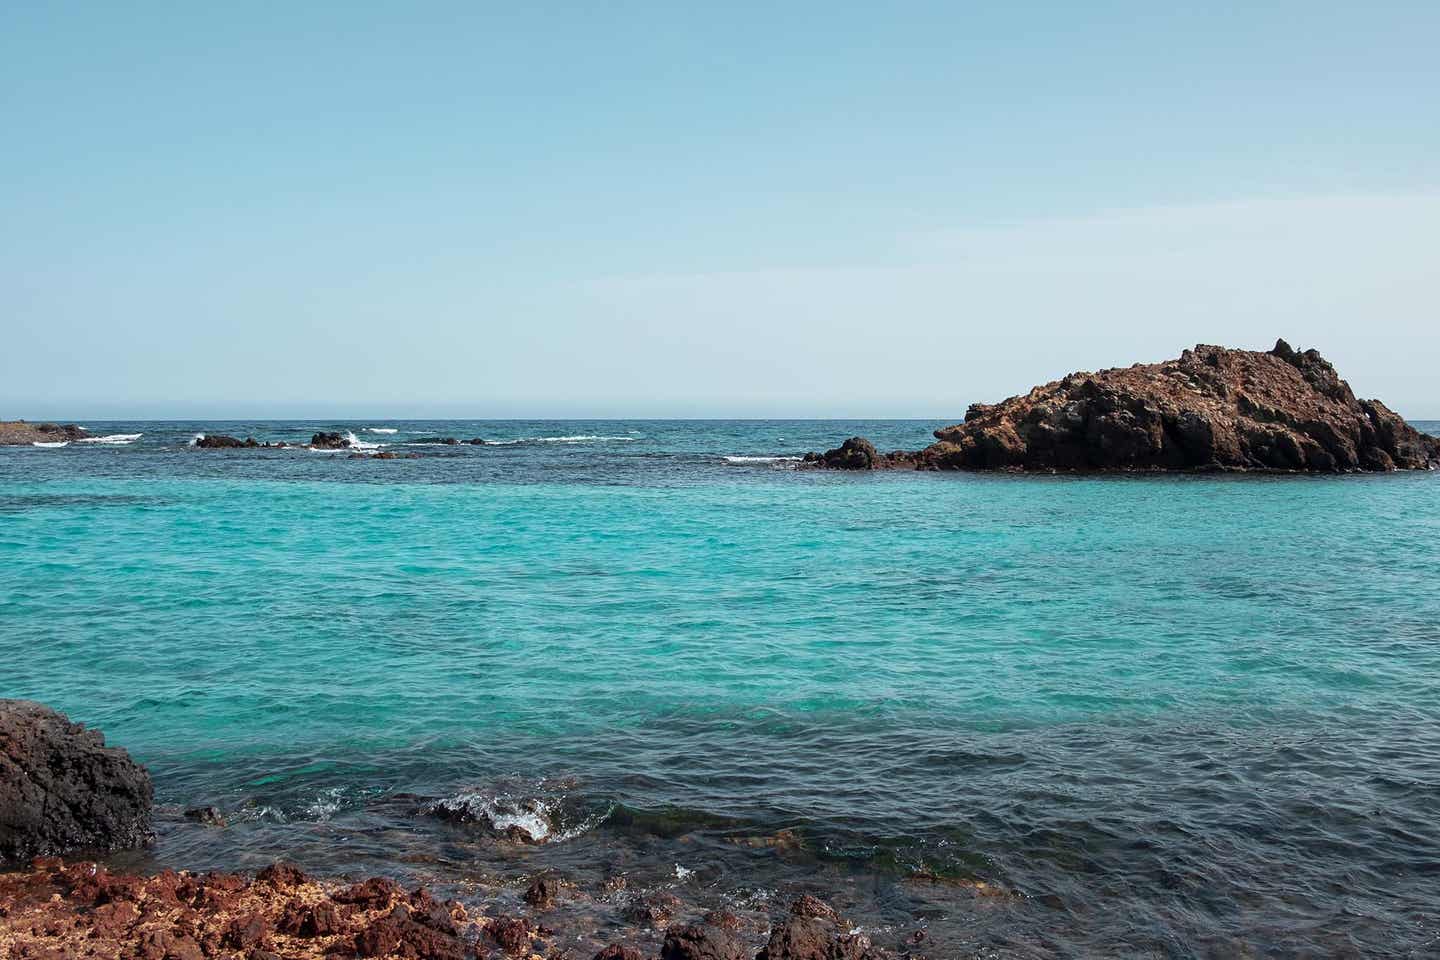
(1154, 715)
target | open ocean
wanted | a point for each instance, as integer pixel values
(1154, 715)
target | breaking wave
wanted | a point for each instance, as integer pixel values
(578, 438)
(114, 439)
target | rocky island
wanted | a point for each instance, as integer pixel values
(22, 433)
(1211, 409)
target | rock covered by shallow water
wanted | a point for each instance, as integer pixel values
(1212, 408)
(63, 789)
(83, 910)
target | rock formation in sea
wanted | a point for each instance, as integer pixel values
(219, 441)
(329, 441)
(1211, 409)
(62, 789)
(22, 433)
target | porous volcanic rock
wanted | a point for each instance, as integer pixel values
(1211, 409)
(62, 789)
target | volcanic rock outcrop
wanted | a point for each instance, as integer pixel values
(1211, 409)
(220, 441)
(62, 789)
(18, 432)
(329, 441)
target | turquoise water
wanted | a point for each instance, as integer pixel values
(1174, 714)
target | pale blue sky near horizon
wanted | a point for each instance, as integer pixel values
(475, 210)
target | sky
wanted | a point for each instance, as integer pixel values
(650, 210)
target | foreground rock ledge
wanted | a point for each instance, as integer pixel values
(1212, 409)
(62, 789)
(78, 910)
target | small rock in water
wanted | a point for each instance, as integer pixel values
(704, 942)
(511, 933)
(653, 909)
(542, 892)
(209, 816)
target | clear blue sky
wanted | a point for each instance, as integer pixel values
(642, 209)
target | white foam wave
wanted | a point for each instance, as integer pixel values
(381, 430)
(357, 444)
(541, 819)
(528, 814)
(326, 805)
(57, 443)
(114, 438)
(740, 459)
(578, 438)
(196, 439)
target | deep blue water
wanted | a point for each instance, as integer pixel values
(1180, 716)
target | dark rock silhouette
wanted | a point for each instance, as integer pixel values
(329, 441)
(857, 453)
(62, 789)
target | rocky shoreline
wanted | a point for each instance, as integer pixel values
(64, 791)
(1212, 409)
(79, 909)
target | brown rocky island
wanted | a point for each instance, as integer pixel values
(1212, 409)
(21, 432)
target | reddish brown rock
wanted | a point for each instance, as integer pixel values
(701, 941)
(512, 934)
(251, 930)
(15, 432)
(620, 951)
(375, 893)
(282, 876)
(815, 931)
(1211, 409)
(652, 909)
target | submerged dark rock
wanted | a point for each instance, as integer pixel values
(209, 816)
(1211, 409)
(220, 441)
(63, 789)
(542, 891)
